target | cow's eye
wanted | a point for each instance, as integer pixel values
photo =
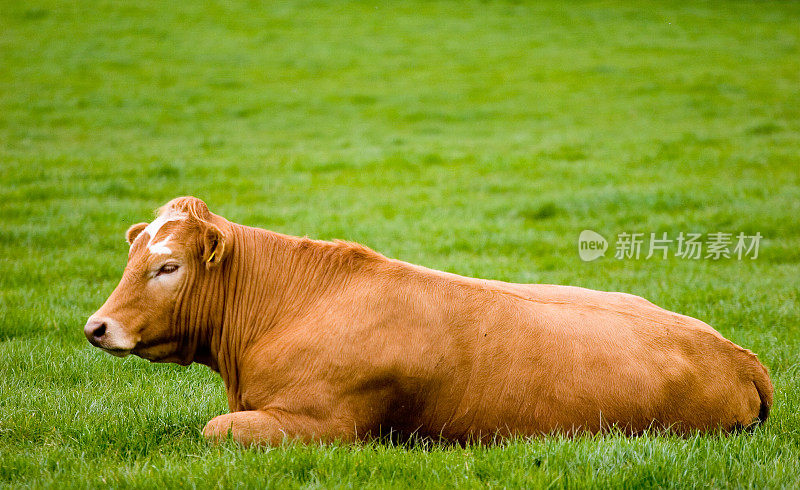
(167, 269)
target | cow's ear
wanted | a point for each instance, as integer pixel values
(134, 231)
(215, 246)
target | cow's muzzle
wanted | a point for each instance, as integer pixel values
(107, 334)
(95, 330)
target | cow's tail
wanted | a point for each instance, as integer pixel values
(764, 388)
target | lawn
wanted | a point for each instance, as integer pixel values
(475, 137)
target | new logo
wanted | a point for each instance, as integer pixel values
(591, 245)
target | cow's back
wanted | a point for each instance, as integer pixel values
(542, 358)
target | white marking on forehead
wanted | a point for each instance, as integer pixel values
(153, 228)
(160, 247)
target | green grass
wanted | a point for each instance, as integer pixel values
(474, 137)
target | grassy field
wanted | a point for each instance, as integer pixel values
(474, 137)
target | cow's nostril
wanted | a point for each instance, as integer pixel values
(97, 328)
(99, 331)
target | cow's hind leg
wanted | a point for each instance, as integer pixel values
(271, 427)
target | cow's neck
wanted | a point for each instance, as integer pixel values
(269, 279)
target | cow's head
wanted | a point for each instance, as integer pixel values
(168, 258)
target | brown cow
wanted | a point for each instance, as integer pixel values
(332, 341)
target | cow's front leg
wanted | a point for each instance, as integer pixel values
(271, 427)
